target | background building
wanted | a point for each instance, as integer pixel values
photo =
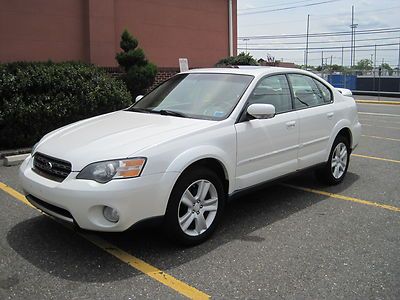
(89, 30)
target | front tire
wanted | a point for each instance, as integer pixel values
(336, 167)
(195, 206)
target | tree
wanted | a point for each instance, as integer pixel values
(364, 64)
(387, 67)
(243, 59)
(140, 73)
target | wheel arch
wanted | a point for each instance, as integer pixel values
(216, 166)
(346, 132)
(341, 128)
(211, 157)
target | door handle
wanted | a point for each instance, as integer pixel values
(291, 124)
(330, 115)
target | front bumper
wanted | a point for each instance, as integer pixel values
(135, 199)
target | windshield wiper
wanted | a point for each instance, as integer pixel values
(137, 109)
(167, 112)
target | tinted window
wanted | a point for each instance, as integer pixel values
(273, 90)
(305, 90)
(326, 93)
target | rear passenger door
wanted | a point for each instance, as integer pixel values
(314, 104)
(267, 148)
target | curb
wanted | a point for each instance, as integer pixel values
(14, 160)
(13, 157)
(378, 102)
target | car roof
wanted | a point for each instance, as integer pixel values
(247, 70)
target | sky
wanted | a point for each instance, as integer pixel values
(274, 18)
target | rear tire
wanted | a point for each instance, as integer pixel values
(195, 206)
(336, 167)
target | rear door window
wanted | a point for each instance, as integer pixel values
(305, 91)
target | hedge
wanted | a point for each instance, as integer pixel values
(37, 97)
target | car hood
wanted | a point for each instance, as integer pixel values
(115, 135)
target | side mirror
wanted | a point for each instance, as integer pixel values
(261, 111)
(138, 98)
(345, 92)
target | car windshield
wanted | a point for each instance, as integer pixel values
(209, 96)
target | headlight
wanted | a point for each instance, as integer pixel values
(34, 148)
(104, 171)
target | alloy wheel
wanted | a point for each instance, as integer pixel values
(339, 160)
(198, 207)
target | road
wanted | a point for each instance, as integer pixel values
(305, 240)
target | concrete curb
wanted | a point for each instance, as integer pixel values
(14, 160)
(378, 102)
(7, 156)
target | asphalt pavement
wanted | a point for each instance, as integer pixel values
(305, 240)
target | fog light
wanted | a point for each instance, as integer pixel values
(111, 214)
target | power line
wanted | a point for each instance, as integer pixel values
(274, 5)
(320, 42)
(322, 34)
(287, 8)
(323, 48)
(322, 16)
(327, 51)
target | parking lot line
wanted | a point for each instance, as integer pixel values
(378, 102)
(140, 265)
(381, 137)
(378, 114)
(337, 196)
(15, 194)
(379, 121)
(387, 127)
(146, 268)
(377, 158)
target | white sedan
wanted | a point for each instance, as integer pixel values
(183, 149)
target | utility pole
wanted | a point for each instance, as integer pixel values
(308, 30)
(352, 31)
(342, 57)
(353, 39)
(246, 40)
(322, 59)
(398, 65)
(354, 43)
(371, 59)
(374, 69)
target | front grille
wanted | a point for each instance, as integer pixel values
(50, 167)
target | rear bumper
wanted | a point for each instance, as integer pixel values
(83, 201)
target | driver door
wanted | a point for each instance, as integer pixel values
(268, 148)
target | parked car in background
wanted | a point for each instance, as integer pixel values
(183, 149)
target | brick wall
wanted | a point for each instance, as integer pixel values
(162, 74)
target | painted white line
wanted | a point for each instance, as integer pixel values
(378, 114)
(379, 121)
(375, 103)
(387, 127)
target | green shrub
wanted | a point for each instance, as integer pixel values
(37, 97)
(243, 59)
(140, 73)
